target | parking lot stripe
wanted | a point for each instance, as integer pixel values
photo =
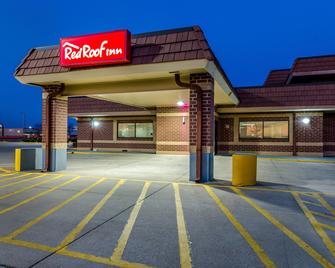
(123, 240)
(29, 187)
(52, 210)
(184, 247)
(25, 180)
(327, 226)
(72, 235)
(8, 174)
(324, 203)
(311, 203)
(317, 227)
(244, 233)
(14, 178)
(5, 210)
(301, 243)
(73, 254)
(4, 170)
(323, 215)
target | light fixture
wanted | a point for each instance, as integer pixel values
(95, 123)
(30, 127)
(180, 103)
(306, 120)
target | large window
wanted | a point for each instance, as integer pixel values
(264, 129)
(135, 130)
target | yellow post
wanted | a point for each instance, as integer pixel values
(244, 169)
(17, 159)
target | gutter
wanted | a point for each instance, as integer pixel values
(199, 122)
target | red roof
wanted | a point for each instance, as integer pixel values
(154, 47)
(314, 64)
(277, 77)
(314, 95)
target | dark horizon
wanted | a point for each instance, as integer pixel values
(249, 39)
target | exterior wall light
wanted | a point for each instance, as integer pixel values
(95, 124)
(306, 120)
(180, 103)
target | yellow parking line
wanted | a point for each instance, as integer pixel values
(244, 233)
(122, 242)
(4, 170)
(301, 243)
(184, 247)
(327, 226)
(299, 160)
(51, 211)
(323, 215)
(3, 211)
(25, 180)
(72, 235)
(8, 174)
(13, 178)
(73, 254)
(312, 203)
(29, 187)
(317, 227)
(325, 203)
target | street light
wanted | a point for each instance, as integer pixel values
(94, 124)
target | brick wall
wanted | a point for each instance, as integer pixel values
(329, 134)
(105, 136)
(206, 82)
(58, 117)
(172, 130)
(309, 138)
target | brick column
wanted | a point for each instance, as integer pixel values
(58, 128)
(206, 96)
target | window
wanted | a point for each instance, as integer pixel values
(144, 130)
(276, 129)
(126, 130)
(251, 129)
(264, 129)
(135, 130)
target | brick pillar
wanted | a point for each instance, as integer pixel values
(58, 129)
(205, 81)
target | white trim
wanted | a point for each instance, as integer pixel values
(172, 143)
(172, 114)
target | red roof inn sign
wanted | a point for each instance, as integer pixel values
(95, 49)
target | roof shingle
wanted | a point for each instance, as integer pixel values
(163, 46)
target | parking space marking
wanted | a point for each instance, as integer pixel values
(52, 210)
(311, 203)
(330, 227)
(301, 243)
(29, 187)
(72, 235)
(4, 170)
(73, 254)
(184, 244)
(25, 180)
(3, 211)
(265, 259)
(123, 240)
(323, 215)
(8, 174)
(13, 178)
(316, 225)
(319, 197)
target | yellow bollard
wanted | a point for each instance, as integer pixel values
(244, 169)
(17, 159)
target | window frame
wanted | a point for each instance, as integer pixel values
(263, 139)
(134, 137)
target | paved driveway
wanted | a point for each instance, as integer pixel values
(55, 220)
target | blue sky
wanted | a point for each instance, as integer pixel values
(248, 37)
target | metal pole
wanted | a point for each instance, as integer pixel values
(92, 134)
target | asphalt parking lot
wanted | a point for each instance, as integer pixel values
(66, 219)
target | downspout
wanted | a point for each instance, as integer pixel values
(199, 122)
(51, 94)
